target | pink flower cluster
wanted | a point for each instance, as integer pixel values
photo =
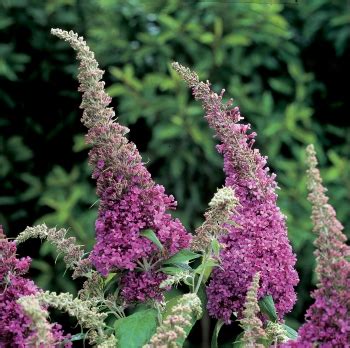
(260, 242)
(15, 326)
(138, 287)
(327, 320)
(130, 202)
(119, 244)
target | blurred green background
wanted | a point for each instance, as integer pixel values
(286, 63)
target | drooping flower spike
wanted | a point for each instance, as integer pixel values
(85, 312)
(130, 201)
(260, 242)
(73, 253)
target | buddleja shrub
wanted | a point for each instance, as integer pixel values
(238, 265)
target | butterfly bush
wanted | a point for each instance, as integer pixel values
(260, 242)
(239, 264)
(130, 201)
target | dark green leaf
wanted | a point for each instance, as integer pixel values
(149, 234)
(171, 270)
(183, 255)
(202, 294)
(267, 306)
(215, 245)
(291, 333)
(136, 330)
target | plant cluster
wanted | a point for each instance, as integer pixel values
(238, 266)
(274, 59)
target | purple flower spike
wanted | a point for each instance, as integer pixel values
(130, 201)
(260, 242)
(328, 319)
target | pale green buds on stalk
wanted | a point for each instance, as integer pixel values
(276, 333)
(224, 199)
(84, 311)
(93, 288)
(95, 99)
(175, 279)
(251, 324)
(73, 254)
(173, 327)
(43, 335)
(221, 208)
(110, 342)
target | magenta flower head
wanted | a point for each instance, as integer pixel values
(130, 201)
(16, 329)
(260, 242)
(328, 318)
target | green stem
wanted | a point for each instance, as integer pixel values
(205, 257)
(214, 339)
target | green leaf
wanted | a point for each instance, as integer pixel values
(215, 245)
(267, 306)
(136, 330)
(281, 85)
(176, 268)
(171, 270)
(209, 263)
(183, 255)
(170, 304)
(149, 234)
(202, 294)
(214, 339)
(236, 40)
(206, 268)
(291, 333)
(109, 278)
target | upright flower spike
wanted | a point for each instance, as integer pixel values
(17, 327)
(328, 318)
(251, 323)
(260, 242)
(130, 201)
